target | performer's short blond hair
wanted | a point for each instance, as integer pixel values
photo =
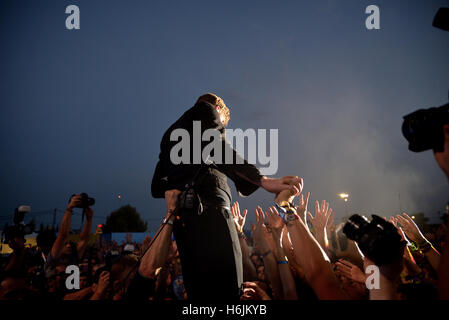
(216, 101)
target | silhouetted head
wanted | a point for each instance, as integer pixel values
(220, 106)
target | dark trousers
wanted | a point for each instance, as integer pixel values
(210, 254)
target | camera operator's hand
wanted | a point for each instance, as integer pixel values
(171, 199)
(74, 202)
(276, 185)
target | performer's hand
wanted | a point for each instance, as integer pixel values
(171, 199)
(276, 185)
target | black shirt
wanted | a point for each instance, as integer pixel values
(212, 177)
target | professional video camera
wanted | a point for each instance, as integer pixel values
(378, 239)
(441, 20)
(423, 129)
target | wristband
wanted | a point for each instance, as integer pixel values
(167, 221)
(286, 212)
(412, 246)
(282, 262)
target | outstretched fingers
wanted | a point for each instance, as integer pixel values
(404, 222)
(309, 216)
(346, 263)
(306, 202)
(259, 215)
(233, 210)
(244, 213)
(330, 220)
(274, 212)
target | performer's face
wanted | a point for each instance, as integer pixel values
(224, 115)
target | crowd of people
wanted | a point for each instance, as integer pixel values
(287, 254)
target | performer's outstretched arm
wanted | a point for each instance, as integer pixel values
(246, 176)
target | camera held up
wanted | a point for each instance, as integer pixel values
(378, 239)
(86, 201)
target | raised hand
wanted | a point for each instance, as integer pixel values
(251, 291)
(259, 230)
(89, 212)
(410, 228)
(103, 282)
(301, 210)
(350, 271)
(75, 202)
(239, 219)
(321, 216)
(394, 221)
(275, 222)
(330, 222)
(171, 199)
(145, 244)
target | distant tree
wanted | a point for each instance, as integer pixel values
(125, 219)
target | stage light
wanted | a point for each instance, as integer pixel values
(344, 196)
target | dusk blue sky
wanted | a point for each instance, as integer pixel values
(84, 110)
